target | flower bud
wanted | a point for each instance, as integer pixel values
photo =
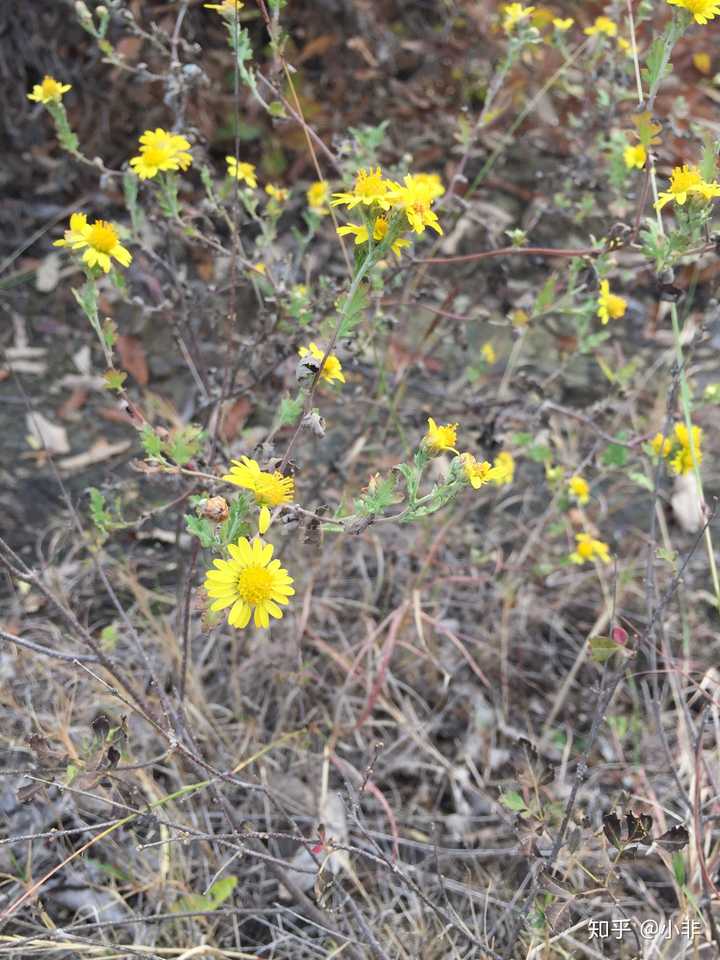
(216, 509)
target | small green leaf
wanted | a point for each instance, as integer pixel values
(152, 444)
(678, 864)
(641, 480)
(222, 889)
(602, 648)
(513, 801)
(115, 379)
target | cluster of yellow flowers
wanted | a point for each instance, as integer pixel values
(387, 206)
(161, 151)
(687, 182)
(579, 489)
(442, 438)
(678, 449)
(588, 548)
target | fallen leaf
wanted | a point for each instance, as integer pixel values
(46, 435)
(74, 402)
(132, 358)
(235, 414)
(101, 450)
(48, 273)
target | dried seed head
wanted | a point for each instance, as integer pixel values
(216, 509)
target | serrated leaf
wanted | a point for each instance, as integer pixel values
(647, 130)
(201, 528)
(152, 444)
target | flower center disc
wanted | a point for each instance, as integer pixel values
(102, 236)
(255, 584)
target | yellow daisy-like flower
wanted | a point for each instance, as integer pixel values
(685, 182)
(226, 8)
(251, 583)
(579, 489)
(370, 187)
(317, 197)
(602, 25)
(269, 489)
(280, 194)
(415, 198)
(433, 183)
(702, 10)
(241, 171)
(440, 438)
(610, 306)
(49, 90)
(99, 240)
(514, 13)
(161, 151)
(562, 24)
(588, 549)
(661, 446)
(504, 467)
(488, 353)
(332, 368)
(480, 472)
(635, 156)
(359, 231)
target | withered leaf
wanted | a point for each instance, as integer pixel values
(613, 830)
(675, 838)
(639, 828)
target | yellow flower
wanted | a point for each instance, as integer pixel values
(609, 304)
(380, 229)
(503, 468)
(702, 10)
(277, 193)
(514, 13)
(625, 46)
(332, 368)
(99, 240)
(317, 197)
(602, 25)
(249, 581)
(49, 90)
(226, 8)
(661, 446)
(563, 24)
(161, 151)
(682, 461)
(415, 198)
(269, 489)
(369, 188)
(702, 63)
(358, 231)
(438, 438)
(259, 268)
(588, 549)
(579, 489)
(480, 472)
(488, 353)
(241, 171)
(433, 183)
(635, 156)
(686, 181)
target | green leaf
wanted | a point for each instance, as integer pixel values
(152, 444)
(602, 648)
(513, 801)
(352, 311)
(236, 524)
(115, 379)
(131, 185)
(615, 455)
(201, 528)
(678, 864)
(290, 410)
(222, 889)
(193, 903)
(184, 444)
(641, 480)
(546, 295)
